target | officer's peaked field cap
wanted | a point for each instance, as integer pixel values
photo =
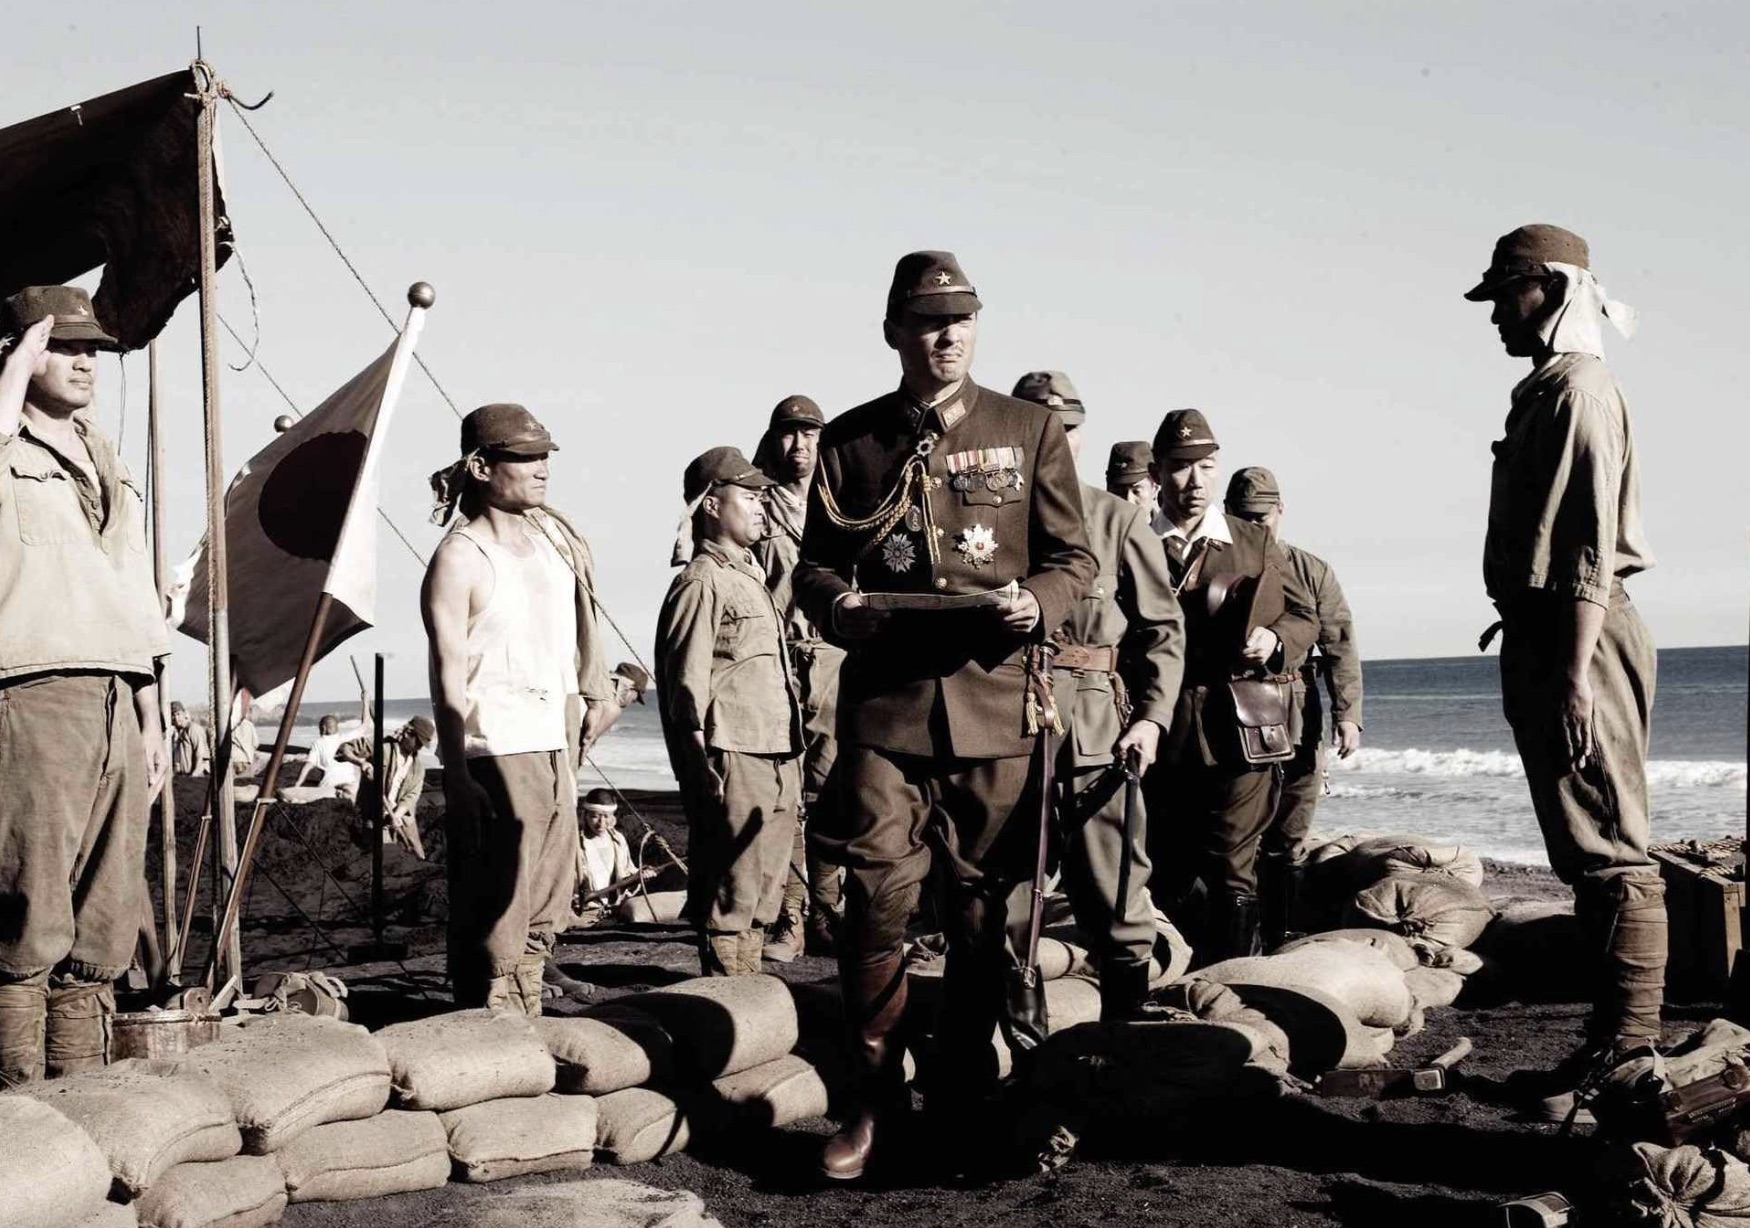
(1053, 390)
(1523, 253)
(75, 319)
(504, 427)
(931, 284)
(720, 467)
(1128, 463)
(1253, 489)
(1184, 435)
(797, 411)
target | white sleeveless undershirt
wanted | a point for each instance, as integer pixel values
(521, 653)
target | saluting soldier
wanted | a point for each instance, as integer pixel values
(1254, 494)
(1246, 621)
(1118, 669)
(1128, 475)
(787, 454)
(939, 490)
(1577, 663)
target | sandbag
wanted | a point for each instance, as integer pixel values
(51, 1173)
(286, 1073)
(1363, 977)
(1434, 909)
(606, 1050)
(1147, 1069)
(145, 1116)
(639, 1124)
(1064, 953)
(243, 1192)
(774, 1093)
(1533, 951)
(394, 1152)
(656, 908)
(466, 1057)
(1200, 1001)
(1323, 1032)
(1677, 1187)
(722, 1025)
(526, 1134)
(1455, 959)
(1395, 946)
(1171, 958)
(1432, 987)
(596, 1202)
(1381, 856)
(112, 1215)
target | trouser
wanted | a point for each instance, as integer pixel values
(1091, 806)
(1208, 823)
(816, 880)
(739, 848)
(1302, 783)
(976, 820)
(511, 876)
(1595, 819)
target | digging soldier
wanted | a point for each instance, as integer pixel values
(1253, 494)
(962, 499)
(1117, 672)
(81, 750)
(519, 687)
(1210, 795)
(730, 716)
(787, 454)
(1577, 663)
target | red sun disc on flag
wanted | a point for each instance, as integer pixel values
(303, 502)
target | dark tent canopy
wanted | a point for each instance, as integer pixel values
(112, 182)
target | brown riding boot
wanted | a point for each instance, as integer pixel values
(76, 1028)
(875, 997)
(24, 1009)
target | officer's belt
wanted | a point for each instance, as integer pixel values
(1077, 656)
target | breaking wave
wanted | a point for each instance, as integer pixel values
(1501, 764)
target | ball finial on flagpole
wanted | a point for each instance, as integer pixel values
(420, 294)
(283, 423)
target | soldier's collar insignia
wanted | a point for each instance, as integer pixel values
(952, 414)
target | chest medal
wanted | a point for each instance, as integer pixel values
(898, 554)
(977, 545)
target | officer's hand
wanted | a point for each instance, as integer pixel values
(157, 762)
(1577, 738)
(1138, 746)
(854, 620)
(599, 717)
(1261, 645)
(30, 355)
(1348, 738)
(1019, 613)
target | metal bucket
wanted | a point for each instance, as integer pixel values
(159, 1033)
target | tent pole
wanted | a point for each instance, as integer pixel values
(167, 795)
(218, 601)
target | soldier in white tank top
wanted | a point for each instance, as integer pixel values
(521, 652)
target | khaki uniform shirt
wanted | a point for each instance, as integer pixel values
(721, 664)
(76, 589)
(1131, 607)
(189, 749)
(1564, 498)
(1339, 658)
(814, 662)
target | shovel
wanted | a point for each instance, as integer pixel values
(1388, 1083)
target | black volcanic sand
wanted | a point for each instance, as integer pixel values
(1303, 1161)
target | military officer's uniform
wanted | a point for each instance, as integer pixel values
(1208, 804)
(1120, 660)
(966, 495)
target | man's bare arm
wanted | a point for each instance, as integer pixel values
(457, 570)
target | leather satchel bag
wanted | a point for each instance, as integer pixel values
(1263, 714)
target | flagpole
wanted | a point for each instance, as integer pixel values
(419, 297)
(167, 796)
(218, 599)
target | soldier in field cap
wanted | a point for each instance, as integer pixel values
(1246, 620)
(1127, 474)
(1564, 533)
(81, 750)
(787, 454)
(1117, 674)
(729, 716)
(520, 688)
(937, 491)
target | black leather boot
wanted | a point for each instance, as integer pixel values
(874, 1004)
(1123, 989)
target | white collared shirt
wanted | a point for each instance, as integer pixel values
(1213, 526)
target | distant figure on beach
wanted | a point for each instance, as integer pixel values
(337, 777)
(245, 739)
(938, 491)
(520, 688)
(1253, 494)
(190, 749)
(404, 774)
(729, 716)
(787, 454)
(630, 681)
(605, 873)
(1117, 678)
(1128, 476)
(1211, 793)
(81, 749)
(1577, 663)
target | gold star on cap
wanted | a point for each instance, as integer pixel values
(943, 279)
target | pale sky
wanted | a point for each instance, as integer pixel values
(651, 222)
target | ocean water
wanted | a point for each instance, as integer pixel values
(1437, 755)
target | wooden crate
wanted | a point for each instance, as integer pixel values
(1704, 896)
